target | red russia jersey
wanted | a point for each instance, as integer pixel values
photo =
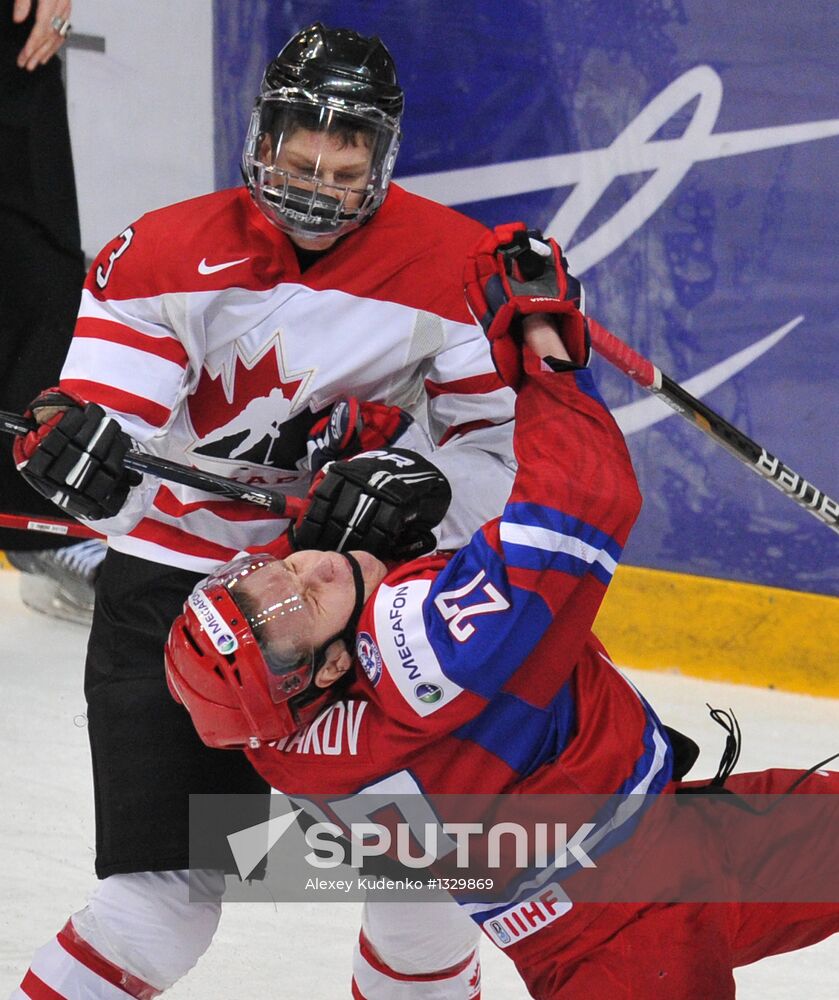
(481, 674)
(198, 331)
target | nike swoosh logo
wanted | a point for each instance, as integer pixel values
(644, 413)
(205, 268)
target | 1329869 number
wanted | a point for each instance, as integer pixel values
(466, 883)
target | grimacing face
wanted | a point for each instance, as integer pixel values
(324, 583)
(327, 157)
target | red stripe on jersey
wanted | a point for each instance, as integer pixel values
(230, 510)
(117, 399)
(171, 537)
(76, 946)
(37, 989)
(117, 333)
(474, 385)
(373, 960)
(461, 429)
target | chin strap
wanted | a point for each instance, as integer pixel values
(311, 693)
(349, 630)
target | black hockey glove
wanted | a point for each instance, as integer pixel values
(382, 502)
(75, 457)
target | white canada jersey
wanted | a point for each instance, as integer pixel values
(200, 334)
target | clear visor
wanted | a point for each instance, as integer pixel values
(279, 619)
(317, 167)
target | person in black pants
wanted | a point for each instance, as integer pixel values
(41, 275)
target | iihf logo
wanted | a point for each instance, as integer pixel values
(369, 657)
(503, 936)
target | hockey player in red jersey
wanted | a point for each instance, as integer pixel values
(220, 333)
(480, 673)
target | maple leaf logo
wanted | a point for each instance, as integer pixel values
(244, 414)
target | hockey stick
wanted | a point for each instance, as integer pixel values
(50, 525)
(138, 461)
(757, 458)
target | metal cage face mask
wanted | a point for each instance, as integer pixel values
(317, 167)
(276, 617)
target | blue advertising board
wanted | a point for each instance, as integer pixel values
(685, 154)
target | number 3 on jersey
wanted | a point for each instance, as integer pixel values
(457, 616)
(103, 274)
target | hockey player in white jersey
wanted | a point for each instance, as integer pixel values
(316, 280)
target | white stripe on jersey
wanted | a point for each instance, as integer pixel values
(129, 370)
(162, 554)
(554, 541)
(310, 345)
(634, 799)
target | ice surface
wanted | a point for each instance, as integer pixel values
(299, 952)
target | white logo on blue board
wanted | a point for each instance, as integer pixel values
(369, 657)
(638, 149)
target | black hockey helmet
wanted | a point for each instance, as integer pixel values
(341, 63)
(340, 86)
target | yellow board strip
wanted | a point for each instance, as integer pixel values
(4, 562)
(722, 630)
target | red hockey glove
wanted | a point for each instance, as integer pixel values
(383, 502)
(75, 457)
(353, 427)
(515, 272)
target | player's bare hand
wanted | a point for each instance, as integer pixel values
(513, 273)
(541, 337)
(48, 34)
(43, 414)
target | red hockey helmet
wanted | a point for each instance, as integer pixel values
(241, 689)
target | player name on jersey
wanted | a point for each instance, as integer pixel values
(334, 732)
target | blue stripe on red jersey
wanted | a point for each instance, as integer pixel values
(539, 538)
(644, 776)
(501, 642)
(585, 383)
(619, 817)
(614, 823)
(523, 736)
